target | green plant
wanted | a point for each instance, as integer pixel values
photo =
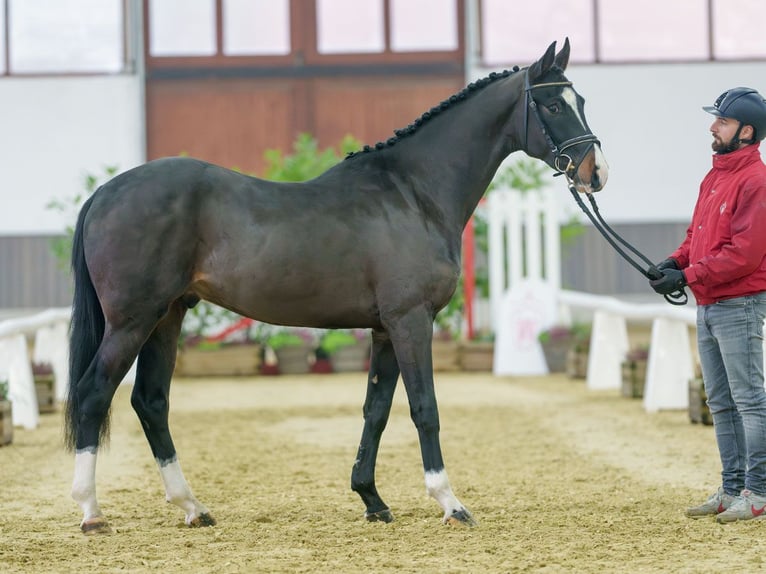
(307, 161)
(3, 390)
(576, 333)
(449, 321)
(70, 207)
(335, 339)
(280, 337)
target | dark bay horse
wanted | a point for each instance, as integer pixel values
(374, 242)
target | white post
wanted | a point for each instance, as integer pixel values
(17, 370)
(523, 228)
(52, 346)
(608, 345)
(669, 368)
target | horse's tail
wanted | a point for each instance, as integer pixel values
(85, 332)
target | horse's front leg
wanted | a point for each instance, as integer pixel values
(381, 383)
(411, 335)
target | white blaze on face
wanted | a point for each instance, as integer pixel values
(570, 98)
(601, 165)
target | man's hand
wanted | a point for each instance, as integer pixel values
(668, 263)
(672, 280)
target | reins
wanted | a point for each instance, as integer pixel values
(677, 297)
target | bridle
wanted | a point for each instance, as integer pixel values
(559, 158)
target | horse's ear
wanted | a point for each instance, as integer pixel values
(562, 58)
(544, 64)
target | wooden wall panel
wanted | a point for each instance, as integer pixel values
(30, 277)
(371, 109)
(230, 122)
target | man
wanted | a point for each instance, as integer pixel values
(723, 261)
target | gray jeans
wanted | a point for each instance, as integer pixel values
(730, 343)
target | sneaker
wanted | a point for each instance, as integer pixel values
(717, 503)
(747, 506)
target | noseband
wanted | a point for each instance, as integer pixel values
(559, 157)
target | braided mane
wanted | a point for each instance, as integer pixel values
(466, 92)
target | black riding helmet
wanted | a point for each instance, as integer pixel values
(746, 106)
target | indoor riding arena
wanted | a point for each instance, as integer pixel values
(559, 479)
(291, 286)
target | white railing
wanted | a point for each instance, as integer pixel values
(49, 329)
(671, 360)
(524, 276)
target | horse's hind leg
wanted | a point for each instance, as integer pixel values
(150, 401)
(381, 383)
(93, 394)
(411, 335)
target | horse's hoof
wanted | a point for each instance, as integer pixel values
(460, 518)
(202, 520)
(379, 516)
(97, 525)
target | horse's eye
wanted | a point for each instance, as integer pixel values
(554, 108)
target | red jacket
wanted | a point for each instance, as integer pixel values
(724, 253)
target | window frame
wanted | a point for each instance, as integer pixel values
(598, 58)
(303, 45)
(129, 63)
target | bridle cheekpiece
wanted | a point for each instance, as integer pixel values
(559, 157)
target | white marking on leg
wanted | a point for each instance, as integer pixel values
(438, 487)
(84, 483)
(177, 490)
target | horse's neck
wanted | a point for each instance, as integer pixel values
(457, 156)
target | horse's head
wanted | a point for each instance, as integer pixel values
(553, 126)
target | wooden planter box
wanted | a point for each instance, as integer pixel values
(351, 358)
(577, 364)
(477, 355)
(45, 387)
(6, 422)
(633, 378)
(293, 359)
(446, 355)
(556, 354)
(699, 413)
(223, 361)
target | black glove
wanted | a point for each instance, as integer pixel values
(668, 263)
(672, 280)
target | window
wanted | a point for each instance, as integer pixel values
(2, 40)
(387, 31)
(423, 26)
(64, 36)
(516, 32)
(182, 28)
(614, 31)
(350, 26)
(734, 35)
(253, 27)
(653, 30)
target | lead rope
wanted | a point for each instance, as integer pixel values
(676, 298)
